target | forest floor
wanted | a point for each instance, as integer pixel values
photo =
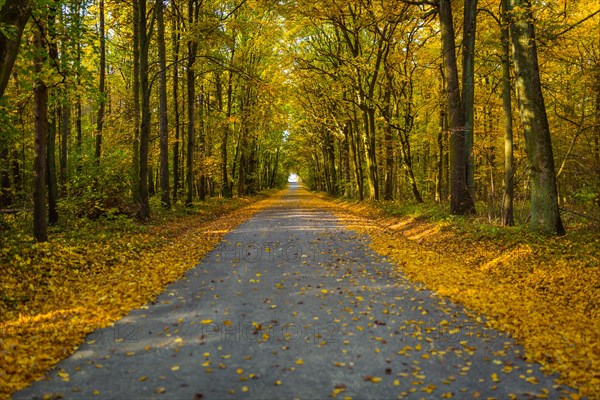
(542, 291)
(92, 272)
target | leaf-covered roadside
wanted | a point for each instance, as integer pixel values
(53, 294)
(544, 291)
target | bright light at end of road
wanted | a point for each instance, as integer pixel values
(293, 178)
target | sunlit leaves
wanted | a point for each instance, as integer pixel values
(54, 317)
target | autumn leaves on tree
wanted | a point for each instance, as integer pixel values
(396, 100)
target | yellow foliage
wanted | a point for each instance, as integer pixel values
(69, 302)
(543, 291)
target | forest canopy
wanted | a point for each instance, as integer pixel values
(118, 107)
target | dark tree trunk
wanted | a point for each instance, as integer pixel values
(201, 148)
(468, 88)
(461, 202)
(65, 133)
(135, 143)
(51, 173)
(191, 96)
(165, 196)
(101, 84)
(545, 214)
(5, 188)
(175, 41)
(508, 198)
(144, 202)
(439, 181)
(388, 185)
(40, 93)
(331, 172)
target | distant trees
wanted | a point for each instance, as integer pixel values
(227, 125)
(420, 147)
(193, 99)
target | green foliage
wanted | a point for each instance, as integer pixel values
(99, 190)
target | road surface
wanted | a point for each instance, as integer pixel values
(292, 305)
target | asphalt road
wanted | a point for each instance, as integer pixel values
(292, 305)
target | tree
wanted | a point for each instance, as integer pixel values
(144, 200)
(14, 14)
(545, 214)
(193, 14)
(40, 92)
(509, 168)
(164, 128)
(101, 84)
(461, 201)
(468, 80)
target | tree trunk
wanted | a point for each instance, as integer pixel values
(346, 161)
(175, 43)
(461, 202)
(101, 85)
(14, 15)
(51, 176)
(508, 197)
(5, 189)
(468, 88)
(135, 143)
(439, 182)
(51, 173)
(165, 196)
(65, 133)
(331, 172)
(144, 202)
(227, 185)
(274, 172)
(545, 214)
(388, 183)
(40, 93)
(191, 95)
(201, 148)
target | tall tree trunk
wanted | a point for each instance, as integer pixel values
(545, 214)
(14, 15)
(5, 189)
(75, 42)
(51, 172)
(508, 197)
(388, 183)
(144, 202)
(274, 172)
(40, 93)
(135, 142)
(596, 132)
(51, 175)
(227, 185)
(346, 161)
(65, 133)
(440, 160)
(191, 95)
(165, 196)
(224, 178)
(16, 172)
(468, 81)
(201, 148)
(175, 42)
(461, 202)
(331, 172)
(101, 85)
